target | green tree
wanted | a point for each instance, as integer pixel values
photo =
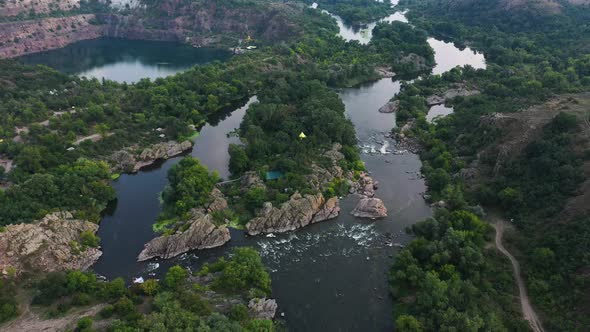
(408, 323)
(243, 272)
(150, 287)
(190, 184)
(175, 276)
(84, 325)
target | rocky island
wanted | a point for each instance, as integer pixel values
(201, 233)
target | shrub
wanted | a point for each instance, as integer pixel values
(89, 239)
(175, 276)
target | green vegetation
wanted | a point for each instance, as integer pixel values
(189, 187)
(243, 273)
(53, 110)
(528, 62)
(445, 280)
(8, 303)
(177, 303)
(82, 186)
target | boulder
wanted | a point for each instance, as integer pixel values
(298, 212)
(365, 186)
(262, 308)
(390, 107)
(201, 234)
(218, 202)
(51, 244)
(370, 208)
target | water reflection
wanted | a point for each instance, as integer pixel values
(448, 56)
(438, 111)
(124, 60)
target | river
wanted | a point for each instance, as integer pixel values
(330, 276)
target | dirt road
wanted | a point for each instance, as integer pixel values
(32, 322)
(528, 312)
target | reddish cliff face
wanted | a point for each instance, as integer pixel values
(23, 37)
(25, 7)
(199, 24)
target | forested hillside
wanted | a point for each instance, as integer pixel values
(500, 152)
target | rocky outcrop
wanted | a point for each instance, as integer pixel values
(298, 212)
(459, 91)
(262, 308)
(130, 160)
(390, 107)
(10, 8)
(218, 202)
(251, 180)
(417, 61)
(365, 186)
(201, 234)
(321, 177)
(370, 208)
(25, 37)
(52, 244)
(384, 72)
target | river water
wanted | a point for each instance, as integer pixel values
(330, 276)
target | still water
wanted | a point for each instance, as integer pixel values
(125, 60)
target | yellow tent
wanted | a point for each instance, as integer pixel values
(302, 135)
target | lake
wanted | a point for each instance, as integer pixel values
(125, 60)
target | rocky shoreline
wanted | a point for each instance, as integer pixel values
(201, 234)
(54, 243)
(458, 91)
(298, 212)
(132, 159)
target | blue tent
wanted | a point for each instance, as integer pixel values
(273, 175)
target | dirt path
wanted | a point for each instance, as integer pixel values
(528, 312)
(31, 322)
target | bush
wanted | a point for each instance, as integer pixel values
(238, 312)
(107, 311)
(150, 287)
(244, 271)
(84, 324)
(260, 325)
(89, 239)
(175, 276)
